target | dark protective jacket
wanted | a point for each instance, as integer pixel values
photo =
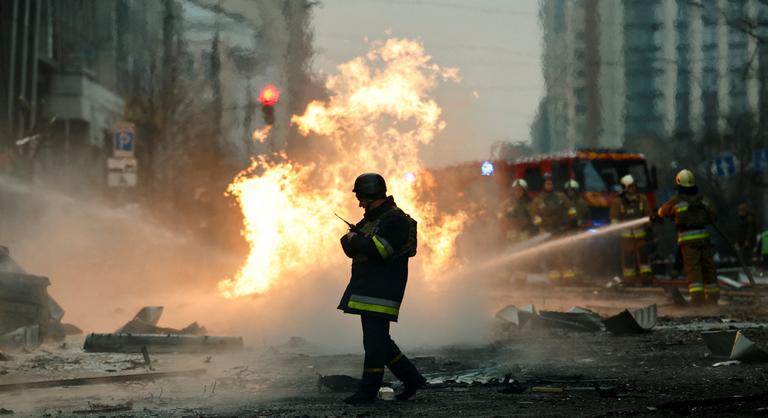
(627, 207)
(691, 213)
(552, 211)
(746, 232)
(380, 250)
(515, 214)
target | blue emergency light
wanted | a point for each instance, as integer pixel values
(487, 168)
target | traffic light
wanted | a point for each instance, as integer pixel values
(268, 97)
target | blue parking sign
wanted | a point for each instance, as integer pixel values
(725, 165)
(760, 160)
(123, 139)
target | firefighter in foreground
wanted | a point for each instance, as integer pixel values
(630, 205)
(552, 213)
(379, 246)
(692, 213)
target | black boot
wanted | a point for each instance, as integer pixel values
(697, 299)
(368, 390)
(713, 298)
(407, 373)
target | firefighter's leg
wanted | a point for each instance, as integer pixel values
(377, 344)
(550, 260)
(709, 274)
(692, 267)
(628, 261)
(568, 262)
(405, 371)
(643, 261)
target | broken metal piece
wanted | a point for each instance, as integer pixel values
(145, 322)
(170, 343)
(576, 318)
(517, 316)
(733, 345)
(636, 321)
(82, 381)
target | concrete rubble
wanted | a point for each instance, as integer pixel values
(28, 314)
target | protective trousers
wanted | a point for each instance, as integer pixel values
(635, 264)
(699, 267)
(380, 351)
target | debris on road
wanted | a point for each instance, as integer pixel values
(517, 316)
(21, 338)
(733, 345)
(636, 321)
(4, 411)
(82, 381)
(145, 322)
(25, 304)
(98, 408)
(158, 343)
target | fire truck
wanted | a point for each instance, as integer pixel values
(479, 187)
(598, 172)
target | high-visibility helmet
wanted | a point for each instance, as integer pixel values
(627, 180)
(370, 186)
(520, 183)
(685, 178)
(572, 184)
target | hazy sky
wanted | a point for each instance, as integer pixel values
(495, 44)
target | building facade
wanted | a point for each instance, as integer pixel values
(624, 69)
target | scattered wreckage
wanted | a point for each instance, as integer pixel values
(142, 334)
(634, 321)
(28, 314)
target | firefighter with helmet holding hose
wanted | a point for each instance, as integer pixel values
(630, 205)
(552, 213)
(691, 213)
(379, 246)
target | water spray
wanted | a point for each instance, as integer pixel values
(539, 244)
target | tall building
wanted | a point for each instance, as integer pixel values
(619, 69)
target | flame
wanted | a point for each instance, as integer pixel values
(261, 134)
(378, 116)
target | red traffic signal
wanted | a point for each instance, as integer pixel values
(269, 95)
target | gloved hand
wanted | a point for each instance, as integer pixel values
(655, 218)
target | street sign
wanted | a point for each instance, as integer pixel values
(760, 160)
(123, 139)
(725, 165)
(122, 172)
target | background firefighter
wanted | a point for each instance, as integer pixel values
(379, 246)
(692, 213)
(746, 234)
(514, 217)
(515, 213)
(575, 257)
(629, 205)
(552, 212)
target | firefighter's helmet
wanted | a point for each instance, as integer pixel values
(627, 180)
(370, 186)
(571, 184)
(685, 178)
(520, 183)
